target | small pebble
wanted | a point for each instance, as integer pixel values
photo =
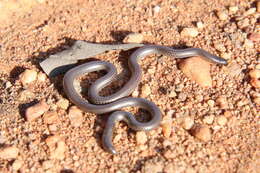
(255, 37)
(57, 147)
(17, 164)
(255, 83)
(187, 122)
(10, 152)
(63, 104)
(200, 25)
(211, 103)
(208, 119)
(167, 128)
(36, 110)
(135, 93)
(250, 11)
(222, 15)
(190, 32)
(254, 74)
(233, 9)
(200, 74)
(25, 94)
(50, 117)
(222, 102)
(202, 132)
(41, 77)
(146, 90)
(172, 94)
(28, 76)
(133, 38)
(221, 120)
(8, 84)
(75, 116)
(141, 137)
(156, 9)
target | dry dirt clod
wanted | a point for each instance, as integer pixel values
(28, 76)
(220, 47)
(36, 110)
(63, 104)
(10, 152)
(233, 9)
(200, 74)
(41, 77)
(76, 116)
(189, 32)
(255, 37)
(133, 38)
(200, 25)
(141, 137)
(226, 55)
(202, 132)
(57, 147)
(50, 117)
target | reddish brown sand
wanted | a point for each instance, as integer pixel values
(33, 30)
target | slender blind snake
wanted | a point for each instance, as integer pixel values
(104, 104)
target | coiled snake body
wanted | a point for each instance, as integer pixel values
(99, 104)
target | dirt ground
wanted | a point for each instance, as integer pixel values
(33, 30)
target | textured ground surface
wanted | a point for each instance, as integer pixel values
(33, 30)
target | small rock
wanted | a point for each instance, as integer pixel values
(233, 9)
(146, 90)
(211, 103)
(168, 154)
(220, 47)
(63, 104)
(222, 15)
(8, 84)
(167, 128)
(226, 55)
(156, 9)
(254, 74)
(250, 11)
(202, 132)
(172, 94)
(221, 120)
(133, 38)
(50, 117)
(28, 76)
(258, 6)
(187, 122)
(135, 93)
(141, 137)
(228, 114)
(208, 119)
(200, 74)
(10, 152)
(255, 83)
(41, 77)
(222, 102)
(53, 127)
(189, 32)
(57, 147)
(36, 110)
(76, 116)
(17, 164)
(200, 25)
(255, 37)
(249, 44)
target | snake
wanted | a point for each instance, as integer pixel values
(113, 103)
